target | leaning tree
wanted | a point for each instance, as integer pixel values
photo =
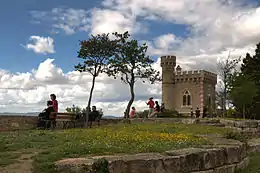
(132, 63)
(96, 54)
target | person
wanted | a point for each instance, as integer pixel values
(151, 106)
(132, 113)
(157, 109)
(197, 112)
(55, 106)
(191, 112)
(204, 112)
(94, 115)
(162, 107)
(54, 102)
(44, 116)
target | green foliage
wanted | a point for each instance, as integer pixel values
(231, 113)
(225, 70)
(238, 136)
(242, 94)
(245, 92)
(169, 114)
(254, 166)
(100, 166)
(132, 63)
(50, 146)
(96, 54)
(165, 114)
(74, 109)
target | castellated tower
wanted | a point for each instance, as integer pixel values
(183, 90)
(168, 64)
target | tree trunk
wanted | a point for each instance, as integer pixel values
(244, 111)
(89, 100)
(132, 98)
(225, 100)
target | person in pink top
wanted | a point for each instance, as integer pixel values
(151, 106)
(54, 102)
(132, 113)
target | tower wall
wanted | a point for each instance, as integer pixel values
(168, 64)
(200, 84)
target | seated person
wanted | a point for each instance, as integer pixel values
(162, 107)
(157, 109)
(132, 113)
(45, 115)
(94, 115)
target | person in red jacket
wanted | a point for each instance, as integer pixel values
(151, 106)
(54, 102)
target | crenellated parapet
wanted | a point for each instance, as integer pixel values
(168, 62)
(195, 76)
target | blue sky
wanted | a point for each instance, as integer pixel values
(199, 33)
(17, 27)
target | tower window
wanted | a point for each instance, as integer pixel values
(186, 99)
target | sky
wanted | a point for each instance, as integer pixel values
(40, 40)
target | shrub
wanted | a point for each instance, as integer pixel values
(169, 114)
(165, 114)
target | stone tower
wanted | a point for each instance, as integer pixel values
(183, 90)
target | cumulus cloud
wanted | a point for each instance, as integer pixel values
(28, 92)
(41, 45)
(215, 29)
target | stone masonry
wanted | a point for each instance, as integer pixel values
(183, 90)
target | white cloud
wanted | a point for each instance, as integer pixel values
(28, 92)
(215, 28)
(42, 45)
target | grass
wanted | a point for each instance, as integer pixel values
(254, 166)
(111, 139)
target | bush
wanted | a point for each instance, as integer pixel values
(165, 114)
(238, 136)
(169, 114)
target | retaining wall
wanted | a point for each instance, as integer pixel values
(9, 123)
(247, 126)
(227, 156)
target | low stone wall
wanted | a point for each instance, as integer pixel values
(224, 156)
(247, 126)
(9, 123)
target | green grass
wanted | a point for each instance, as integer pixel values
(116, 138)
(254, 166)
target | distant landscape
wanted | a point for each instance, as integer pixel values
(36, 114)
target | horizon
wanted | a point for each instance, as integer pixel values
(40, 41)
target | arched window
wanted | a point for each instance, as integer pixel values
(186, 99)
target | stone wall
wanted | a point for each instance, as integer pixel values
(17, 122)
(9, 123)
(226, 156)
(246, 126)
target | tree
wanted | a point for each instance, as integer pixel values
(96, 53)
(242, 94)
(251, 69)
(225, 69)
(132, 64)
(74, 109)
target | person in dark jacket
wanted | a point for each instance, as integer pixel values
(94, 115)
(197, 112)
(44, 116)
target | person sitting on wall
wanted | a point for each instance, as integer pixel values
(132, 113)
(157, 109)
(44, 116)
(162, 108)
